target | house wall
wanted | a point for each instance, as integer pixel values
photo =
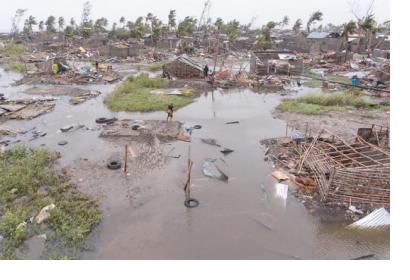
(265, 68)
(182, 70)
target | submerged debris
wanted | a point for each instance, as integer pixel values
(25, 108)
(210, 141)
(210, 169)
(163, 130)
(378, 219)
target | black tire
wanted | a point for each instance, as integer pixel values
(197, 126)
(106, 120)
(191, 203)
(110, 121)
(114, 164)
(101, 120)
(135, 126)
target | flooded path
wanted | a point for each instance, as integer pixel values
(238, 219)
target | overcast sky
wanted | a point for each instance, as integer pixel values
(335, 11)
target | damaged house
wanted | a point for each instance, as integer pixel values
(269, 62)
(352, 171)
(183, 67)
(324, 41)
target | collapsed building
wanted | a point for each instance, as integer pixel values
(183, 67)
(354, 171)
(275, 62)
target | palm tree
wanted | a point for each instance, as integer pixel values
(369, 25)
(316, 16)
(172, 20)
(348, 28)
(31, 21)
(50, 22)
(285, 21)
(41, 25)
(297, 26)
(122, 21)
(61, 23)
(219, 23)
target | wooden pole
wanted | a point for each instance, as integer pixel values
(126, 158)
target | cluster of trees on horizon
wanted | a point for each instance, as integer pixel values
(151, 24)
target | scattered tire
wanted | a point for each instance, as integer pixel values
(101, 120)
(226, 151)
(114, 164)
(191, 203)
(111, 121)
(62, 143)
(135, 126)
(197, 126)
(105, 120)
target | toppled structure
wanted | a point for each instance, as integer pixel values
(77, 95)
(25, 108)
(275, 62)
(183, 67)
(145, 130)
(349, 171)
(58, 71)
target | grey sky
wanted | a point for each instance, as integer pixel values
(335, 11)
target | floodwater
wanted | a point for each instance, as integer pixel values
(238, 219)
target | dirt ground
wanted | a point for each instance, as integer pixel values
(344, 123)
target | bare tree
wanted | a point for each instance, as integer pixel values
(360, 18)
(15, 21)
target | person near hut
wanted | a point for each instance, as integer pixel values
(170, 112)
(206, 71)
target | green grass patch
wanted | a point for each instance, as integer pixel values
(154, 67)
(19, 67)
(12, 50)
(136, 94)
(23, 172)
(321, 103)
(315, 83)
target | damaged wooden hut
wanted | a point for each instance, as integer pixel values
(183, 67)
(270, 62)
(349, 171)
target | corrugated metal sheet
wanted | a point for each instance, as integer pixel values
(318, 35)
(189, 61)
(378, 219)
(281, 191)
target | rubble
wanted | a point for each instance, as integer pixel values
(44, 213)
(147, 129)
(333, 171)
(25, 108)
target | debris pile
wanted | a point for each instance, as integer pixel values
(332, 171)
(25, 108)
(143, 130)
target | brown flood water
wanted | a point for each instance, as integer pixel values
(235, 220)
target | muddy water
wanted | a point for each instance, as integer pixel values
(238, 219)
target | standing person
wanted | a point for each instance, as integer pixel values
(206, 70)
(96, 66)
(170, 112)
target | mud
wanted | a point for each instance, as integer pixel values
(343, 123)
